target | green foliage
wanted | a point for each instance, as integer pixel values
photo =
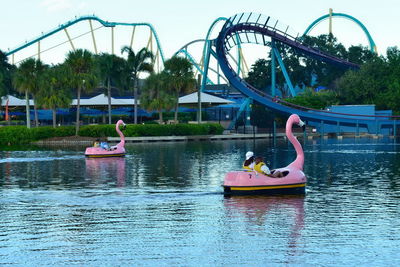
(377, 82)
(135, 64)
(17, 135)
(98, 130)
(315, 100)
(64, 131)
(6, 73)
(174, 129)
(155, 95)
(82, 75)
(302, 68)
(150, 122)
(179, 78)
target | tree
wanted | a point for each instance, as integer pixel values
(316, 100)
(38, 76)
(359, 54)
(155, 95)
(6, 72)
(180, 78)
(27, 79)
(137, 63)
(55, 91)
(366, 85)
(111, 70)
(260, 74)
(82, 76)
(24, 82)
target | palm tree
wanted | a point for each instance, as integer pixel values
(27, 79)
(24, 82)
(55, 90)
(181, 78)
(155, 95)
(39, 72)
(6, 71)
(82, 76)
(137, 63)
(111, 70)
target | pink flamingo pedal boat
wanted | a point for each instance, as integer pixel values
(114, 151)
(293, 180)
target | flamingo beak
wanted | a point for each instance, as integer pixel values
(123, 126)
(301, 123)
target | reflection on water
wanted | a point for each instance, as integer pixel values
(98, 169)
(163, 205)
(265, 213)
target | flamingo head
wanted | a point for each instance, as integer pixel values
(296, 119)
(121, 122)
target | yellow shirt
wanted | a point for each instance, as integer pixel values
(262, 168)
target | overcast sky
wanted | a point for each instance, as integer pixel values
(178, 22)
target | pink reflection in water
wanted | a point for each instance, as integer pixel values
(105, 168)
(266, 210)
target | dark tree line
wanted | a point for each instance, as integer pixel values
(376, 82)
(54, 86)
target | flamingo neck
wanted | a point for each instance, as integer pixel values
(299, 161)
(121, 135)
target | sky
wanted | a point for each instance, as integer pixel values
(178, 22)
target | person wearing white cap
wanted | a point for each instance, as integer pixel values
(248, 164)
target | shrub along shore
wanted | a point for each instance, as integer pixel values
(18, 135)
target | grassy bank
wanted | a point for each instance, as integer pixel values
(15, 135)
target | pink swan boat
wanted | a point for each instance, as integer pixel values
(293, 180)
(114, 151)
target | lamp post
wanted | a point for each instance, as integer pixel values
(199, 98)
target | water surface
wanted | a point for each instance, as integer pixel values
(163, 205)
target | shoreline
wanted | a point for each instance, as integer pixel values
(88, 141)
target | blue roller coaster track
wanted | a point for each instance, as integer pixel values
(83, 18)
(253, 28)
(372, 44)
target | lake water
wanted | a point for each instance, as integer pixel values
(162, 205)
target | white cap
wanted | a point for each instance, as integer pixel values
(249, 155)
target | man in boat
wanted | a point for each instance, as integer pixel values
(248, 164)
(105, 145)
(261, 167)
(96, 143)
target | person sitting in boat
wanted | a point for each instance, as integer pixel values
(104, 145)
(261, 167)
(248, 164)
(96, 143)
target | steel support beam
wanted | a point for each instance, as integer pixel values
(133, 35)
(112, 40)
(69, 39)
(273, 72)
(283, 68)
(94, 40)
(38, 50)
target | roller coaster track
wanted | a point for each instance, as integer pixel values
(200, 65)
(371, 42)
(83, 18)
(253, 28)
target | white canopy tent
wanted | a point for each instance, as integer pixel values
(205, 99)
(102, 100)
(14, 101)
(99, 100)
